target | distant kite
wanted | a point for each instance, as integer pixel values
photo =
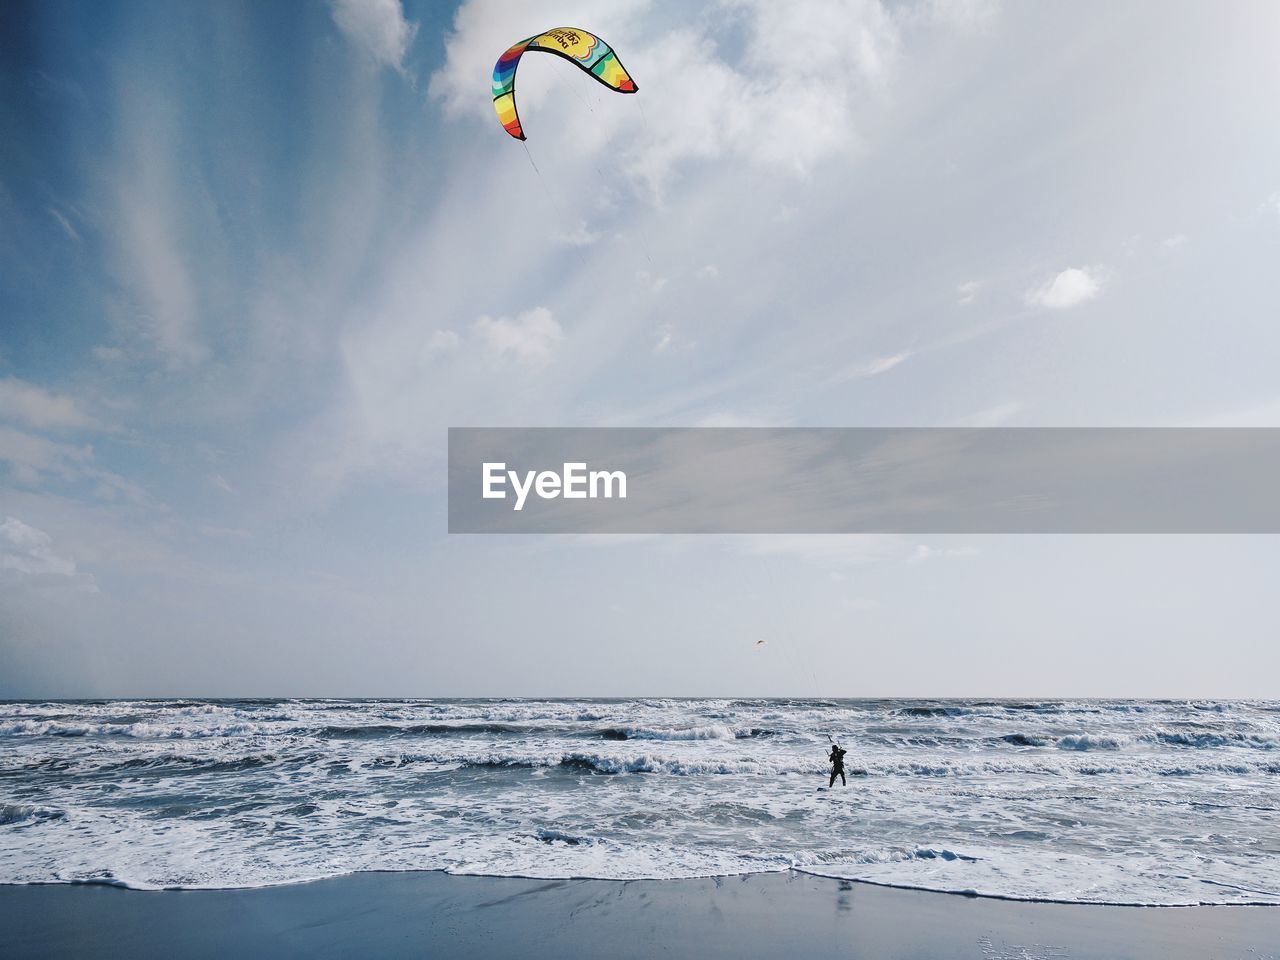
(761, 643)
(586, 50)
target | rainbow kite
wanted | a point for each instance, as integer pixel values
(586, 50)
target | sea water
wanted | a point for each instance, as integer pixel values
(1134, 802)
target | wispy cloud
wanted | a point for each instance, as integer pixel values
(651, 280)
(531, 338)
(109, 354)
(967, 292)
(34, 406)
(65, 224)
(34, 460)
(924, 551)
(376, 27)
(218, 481)
(27, 553)
(28, 550)
(579, 236)
(151, 188)
(665, 334)
(873, 368)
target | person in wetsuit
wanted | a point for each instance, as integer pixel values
(837, 765)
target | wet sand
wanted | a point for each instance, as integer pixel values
(432, 914)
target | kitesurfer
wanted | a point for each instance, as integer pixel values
(837, 765)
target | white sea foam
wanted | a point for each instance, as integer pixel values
(716, 731)
(1107, 801)
(1084, 741)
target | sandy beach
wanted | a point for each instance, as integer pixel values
(433, 914)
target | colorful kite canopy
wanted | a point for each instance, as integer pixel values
(577, 46)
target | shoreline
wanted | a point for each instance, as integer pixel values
(417, 913)
(799, 871)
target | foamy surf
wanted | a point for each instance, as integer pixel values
(1128, 802)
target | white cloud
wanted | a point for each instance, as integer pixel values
(220, 482)
(1177, 240)
(709, 272)
(1072, 286)
(37, 407)
(793, 99)
(153, 246)
(651, 280)
(924, 552)
(530, 338)
(65, 224)
(30, 551)
(873, 368)
(109, 354)
(377, 27)
(579, 236)
(665, 334)
(968, 291)
(33, 459)
(31, 456)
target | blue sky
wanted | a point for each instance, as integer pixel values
(255, 259)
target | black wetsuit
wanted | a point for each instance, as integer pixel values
(837, 767)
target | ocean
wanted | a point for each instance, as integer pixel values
(1109, 801)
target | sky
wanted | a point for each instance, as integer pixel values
(255, 259)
